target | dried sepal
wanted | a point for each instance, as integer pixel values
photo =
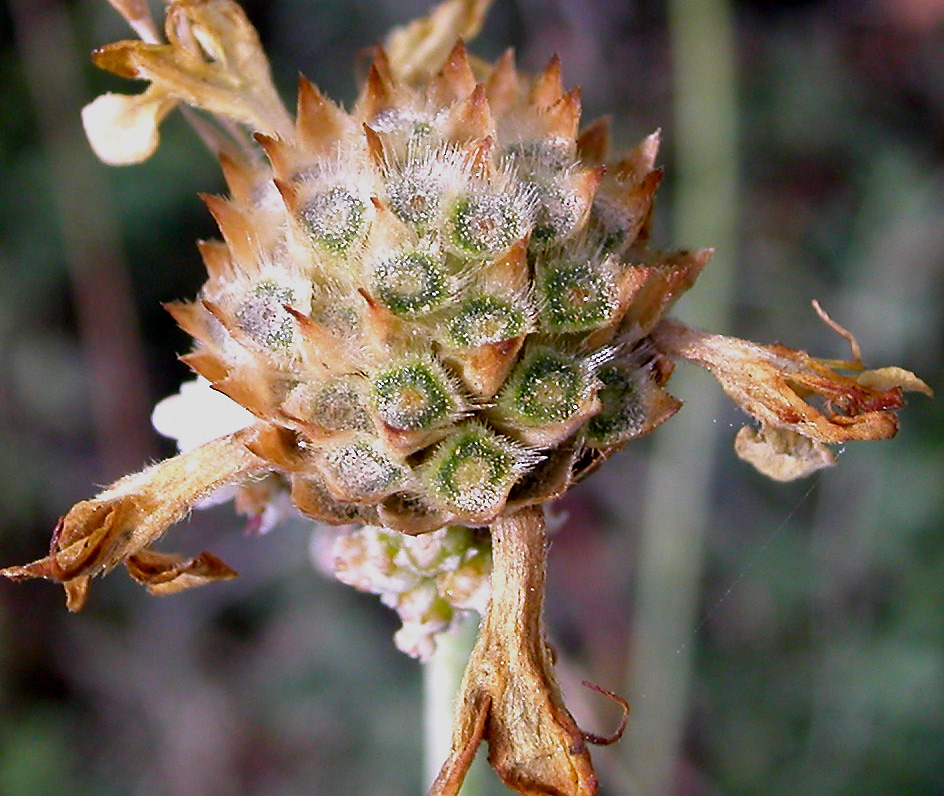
(238, 231)
(471, 119)
(128, 517)
(669, 275)
(593, 143)
(773, 384)
(320, 123)
(503, 84)
(641, 159)
(455, 80)
(547, 87)
(244, 178)
(379, 93)
(563, 117)
(546, 481)
(311, 497)
(412, 515)
(418, 50)
(485, 368)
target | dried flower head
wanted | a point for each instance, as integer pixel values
(439, 309)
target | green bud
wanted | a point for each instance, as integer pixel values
(540, 157)
(556, 214)
(622, 415)
(338, 405)
(575, 296)
(485, 224)
(471, 472)
(547, 386)
(408, 124)
(414, 396)
(411, 285)
(543, 167)
(339, 318)
(335, 218)
(362, 472)
(263, 317)
(608, 227)
(485, 319)
(414, 196)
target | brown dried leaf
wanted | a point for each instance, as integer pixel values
(164, 573)
(773, 383)
(510, 696)
(124, 520)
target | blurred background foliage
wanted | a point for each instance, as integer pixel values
(818, 641)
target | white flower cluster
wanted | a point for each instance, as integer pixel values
(429, 580)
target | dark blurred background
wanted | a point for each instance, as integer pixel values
(816, 644)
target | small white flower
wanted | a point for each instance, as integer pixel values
(198, 414)
(122, 128)
(431, 580)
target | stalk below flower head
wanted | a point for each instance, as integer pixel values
(440, 310)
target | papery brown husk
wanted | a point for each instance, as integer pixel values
(509, 696)
(120, 525)
(774, 383)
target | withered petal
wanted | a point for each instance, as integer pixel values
(891, 377)
(123, 129)
(772, 383)
(782, 454)
(129, 516)
(164, 573)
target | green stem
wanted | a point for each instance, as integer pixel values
(678, 496)
(442, 675)
(83, 216)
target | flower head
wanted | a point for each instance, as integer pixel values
(434, 312)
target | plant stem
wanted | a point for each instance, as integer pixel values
(509, 694)
(678, 494)
(442, 675)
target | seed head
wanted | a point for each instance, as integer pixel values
(440, 306)
(438, 311)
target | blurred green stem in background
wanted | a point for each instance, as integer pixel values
(84, 215)
(442, 674)
(677, 511)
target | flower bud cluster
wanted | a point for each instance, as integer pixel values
(438, 308)
(431, 581)
(427, 308)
